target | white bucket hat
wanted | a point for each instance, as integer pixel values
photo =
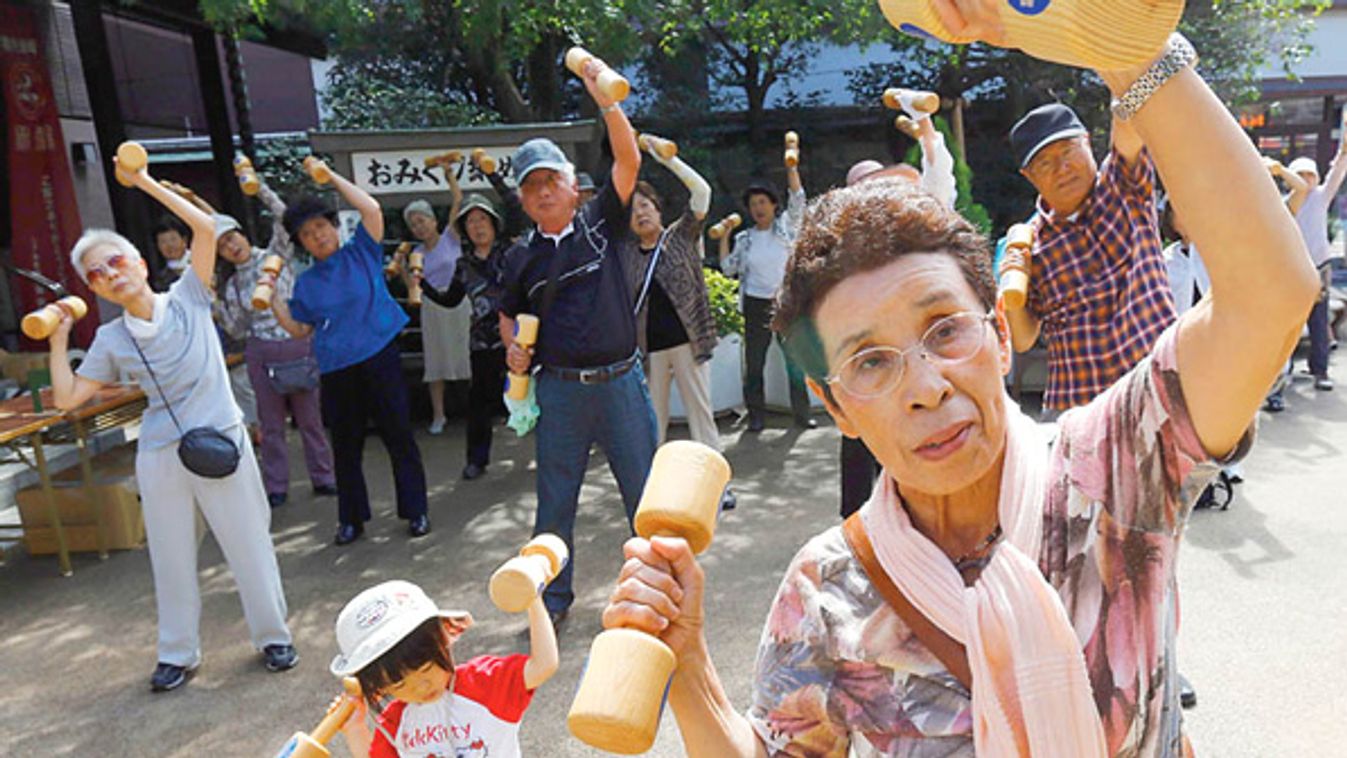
(1303, 165)
(380, 617)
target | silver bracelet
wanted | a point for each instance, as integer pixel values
(605, 110)
(1179, 54)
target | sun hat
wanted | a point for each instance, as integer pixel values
(379, 618)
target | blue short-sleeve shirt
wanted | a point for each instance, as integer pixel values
(345, 300)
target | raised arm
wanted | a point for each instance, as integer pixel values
(280, 244)
(1126, 142)
(1262, 282)
(626, 155)
(371, 213)
(200, 222)
(456, 202)
(543, 657)
(700, 200)
(1300, 189)
(1338, 170)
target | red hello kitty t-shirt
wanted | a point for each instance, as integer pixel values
(479, 718)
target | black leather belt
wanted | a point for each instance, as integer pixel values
(600, 375)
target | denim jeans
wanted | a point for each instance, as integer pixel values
(619, 417)
(1320, 338)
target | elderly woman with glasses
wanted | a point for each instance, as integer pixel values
(168, 344)
(997, 595)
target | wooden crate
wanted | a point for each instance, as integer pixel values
(114, 492)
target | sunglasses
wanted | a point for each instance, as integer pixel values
(99, 272)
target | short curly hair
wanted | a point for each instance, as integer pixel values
(856, 229)
(303, 208)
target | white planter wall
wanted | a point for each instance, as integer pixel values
(727, 382)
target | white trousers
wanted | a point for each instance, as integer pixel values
(239, 517)
(694, 386)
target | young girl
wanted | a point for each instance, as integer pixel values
(399, 646)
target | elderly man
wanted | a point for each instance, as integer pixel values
(1312, 216)
(1098, 289)
(590, 386)
(989, 598)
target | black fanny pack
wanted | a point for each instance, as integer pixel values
(203, 450)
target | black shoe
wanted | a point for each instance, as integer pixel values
(472, 471)
(280, 657)
(325, 490)
(806, 423)
(1323, 383)
(755, 422)
(348, 533)
(1187, 695)
(276, 499)
(728, 500)
(558, 617)
(1274, 404)
(420, 526)
(168, 676)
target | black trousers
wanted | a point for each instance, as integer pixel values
(859, 469)
(757, 338)
(374, 389)
(484, 401)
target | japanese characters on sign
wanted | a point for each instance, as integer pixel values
(405, 171)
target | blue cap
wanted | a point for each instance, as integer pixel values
(537, 153)
(1041, 127)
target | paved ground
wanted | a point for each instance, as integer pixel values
(1263, 605)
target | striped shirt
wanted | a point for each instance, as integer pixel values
(1099, 284)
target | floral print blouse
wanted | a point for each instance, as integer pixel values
(839, 673)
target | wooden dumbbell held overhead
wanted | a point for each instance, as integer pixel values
(612, 84)
(724, 226)
(314, 745)
(518, 582)
(617, 706)
(247, 175)
(41, 323)
(266, 282)
(1096, 34)
(1015, 266)
(525, 333)
(925, 102)
(907, 126)
(317, 170)
(484, 162)
(416, 263)
(445, 159)
(792, 156)
(131, 157)
(666, 149)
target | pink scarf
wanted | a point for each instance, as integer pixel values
(1031, 694)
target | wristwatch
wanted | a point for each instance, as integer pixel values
(1179, 54)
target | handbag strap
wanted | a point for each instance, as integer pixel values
(164, 397)
(943, 646)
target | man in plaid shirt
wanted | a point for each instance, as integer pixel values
(1098, 288)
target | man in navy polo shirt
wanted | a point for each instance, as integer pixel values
(589, 383)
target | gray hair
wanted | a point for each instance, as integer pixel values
(417, 206)
(95, 238)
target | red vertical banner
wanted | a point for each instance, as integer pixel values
(44, 216)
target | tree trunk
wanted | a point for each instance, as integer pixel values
(544, 78)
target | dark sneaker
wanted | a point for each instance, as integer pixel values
(728, 500)
(1187, 695)
(276, 499)
(325, 490)
(472, 471)
(1323, 384)
(348, 533)
(420, 526)
(805, 423)
(168, 676)
(755, 422)
(280, 657)
(1274, 404)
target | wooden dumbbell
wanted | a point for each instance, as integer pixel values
(525, 333)
(792, 157)
(247, 175)
(923, 102)
(445, 159)
(724, 226)
(318, 170)
(41, 323)
(612, 84)
(416, 262)
(484, 162)
(393, 267)
(907, 126)
(518, 582)
(1015, 266)
(617, 706)
(1095, 34)
(266, 282)
(314, 745)
(666, 149)
(131, 158)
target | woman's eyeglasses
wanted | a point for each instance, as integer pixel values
(100, 272)
(876, 371)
